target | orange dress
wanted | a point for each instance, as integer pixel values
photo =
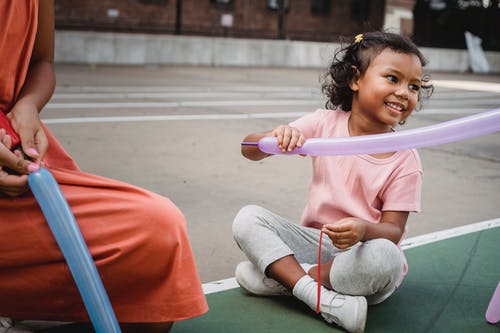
(138, 239)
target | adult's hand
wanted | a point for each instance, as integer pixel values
(11, 184)
(26, 122)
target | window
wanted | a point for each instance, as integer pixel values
(223, 4)
(360, 10)
(153, 2)
(320, 7)
(278, 4)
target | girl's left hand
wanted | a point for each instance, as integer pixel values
(346, 232)
(26, 122)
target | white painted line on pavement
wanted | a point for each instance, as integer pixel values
(455, 84)
(222, 116)
(179, 95)
(136, 105)
(221, 285)
(234, 102)
(230, 283)
(468, 85)
(174, 117)
(449, 233)
(166, 88)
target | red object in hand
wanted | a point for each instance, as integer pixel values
(5, 124)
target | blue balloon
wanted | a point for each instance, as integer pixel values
(63, 225)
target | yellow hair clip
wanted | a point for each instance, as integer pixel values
(358, 38)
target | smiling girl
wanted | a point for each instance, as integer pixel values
(361, 203)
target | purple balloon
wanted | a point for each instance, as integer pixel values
(493, 311)
(449, 131)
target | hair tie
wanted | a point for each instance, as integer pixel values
(358, 38)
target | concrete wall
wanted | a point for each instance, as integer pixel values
(139, 49)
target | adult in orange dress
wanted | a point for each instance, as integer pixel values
(138, 239)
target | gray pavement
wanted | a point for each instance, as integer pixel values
(176, 131)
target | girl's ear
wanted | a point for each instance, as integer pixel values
(355, 79)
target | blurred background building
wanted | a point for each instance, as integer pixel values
(316, 20)
(439, 23)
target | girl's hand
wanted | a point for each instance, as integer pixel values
(13, 185)
(346, 232)
(288, 137)
(26, 122)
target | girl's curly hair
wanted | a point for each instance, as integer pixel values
(357, 56)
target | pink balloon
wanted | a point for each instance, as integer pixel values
(449, 131)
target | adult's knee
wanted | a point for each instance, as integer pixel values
(166, 224)
(165, 236)
(145, 246)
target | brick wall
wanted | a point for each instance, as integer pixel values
(250, 18)
(132, 15)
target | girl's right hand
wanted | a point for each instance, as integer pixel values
(13, 185)
(288, 137)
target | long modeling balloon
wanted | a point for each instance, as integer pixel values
(67, 234)
(453, 130)
(493, 311)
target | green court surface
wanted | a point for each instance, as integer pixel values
(447, 289)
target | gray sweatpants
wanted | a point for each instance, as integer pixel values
(371, 269)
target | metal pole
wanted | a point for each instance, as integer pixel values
(178, 17)
(281, 17)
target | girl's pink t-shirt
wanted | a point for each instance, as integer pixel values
(358, 185)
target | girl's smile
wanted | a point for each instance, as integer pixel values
(395, 107)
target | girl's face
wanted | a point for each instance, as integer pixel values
(388, 91)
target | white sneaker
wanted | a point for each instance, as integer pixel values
(6, 326)
(346, 311)
(252, 280)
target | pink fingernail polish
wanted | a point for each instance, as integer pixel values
(33, 151)
(32, 167)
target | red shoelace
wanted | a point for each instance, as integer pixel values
(318, 304)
